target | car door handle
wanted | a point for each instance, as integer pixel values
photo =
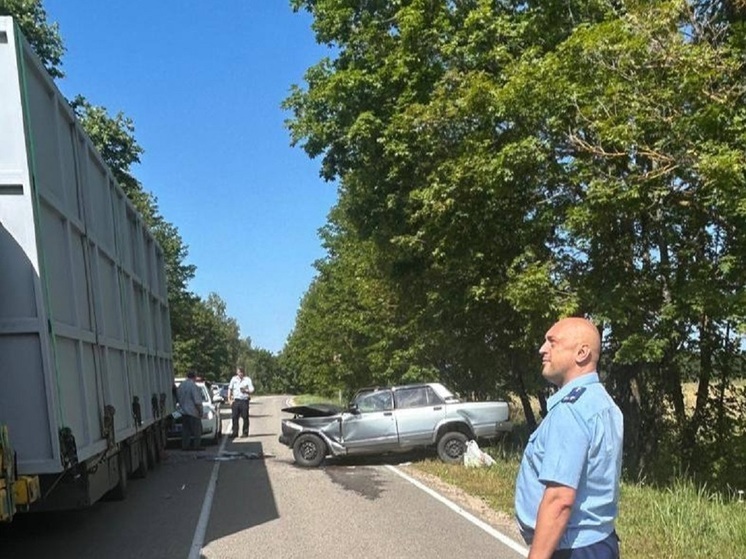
(387, 413)
(438, 408)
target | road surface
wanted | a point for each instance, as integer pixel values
(246, 498)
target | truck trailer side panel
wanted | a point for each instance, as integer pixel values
(85, 340)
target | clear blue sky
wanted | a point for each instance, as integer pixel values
(203, 83)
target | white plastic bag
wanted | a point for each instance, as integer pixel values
(474, 457)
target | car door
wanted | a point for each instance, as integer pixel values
(418, 411)
(372, 428)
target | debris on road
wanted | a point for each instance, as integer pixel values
(229, 455)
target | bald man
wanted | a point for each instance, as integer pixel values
(567, 491)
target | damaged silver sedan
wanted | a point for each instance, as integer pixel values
(392, 419)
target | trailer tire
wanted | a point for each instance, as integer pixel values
(159, 439)
(151, 450)
(141, 472)
(119, 491)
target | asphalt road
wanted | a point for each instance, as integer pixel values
(246, 498)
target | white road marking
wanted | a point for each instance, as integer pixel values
(518, 548)
(204, 516)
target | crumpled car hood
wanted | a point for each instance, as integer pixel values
(314, 410)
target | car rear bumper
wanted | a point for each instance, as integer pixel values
(173, 432)
(493, 430)
(504, 426)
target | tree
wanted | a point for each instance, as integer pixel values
(211, 344)
(508, 163)
(647, 123)
(44, 37)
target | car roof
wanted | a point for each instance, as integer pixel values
(400, 386)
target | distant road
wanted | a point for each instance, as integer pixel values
(246, 498)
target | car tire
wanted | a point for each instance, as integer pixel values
(309, 450)
(451, 447)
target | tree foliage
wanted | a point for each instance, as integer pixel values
(211, 343)
(43, 36)
(502, 164)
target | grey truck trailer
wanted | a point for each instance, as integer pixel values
(85, 340)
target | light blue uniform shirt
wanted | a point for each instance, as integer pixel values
(578, 445)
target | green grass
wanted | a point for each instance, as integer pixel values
(494, 485)
(682, 522)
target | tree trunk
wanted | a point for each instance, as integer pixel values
(623, 387)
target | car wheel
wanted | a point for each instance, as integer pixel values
(309, 450)
(451, 447)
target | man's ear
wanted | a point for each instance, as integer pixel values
(584, 354)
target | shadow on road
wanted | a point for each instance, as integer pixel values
(243, 495)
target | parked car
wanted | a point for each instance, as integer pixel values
(392, 419)
(224, 392)
(212, 428)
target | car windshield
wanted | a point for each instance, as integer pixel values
(202, 387)
(205, 392)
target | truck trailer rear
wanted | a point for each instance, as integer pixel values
(85, 340)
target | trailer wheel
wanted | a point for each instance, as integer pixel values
(151, 450)
(119, 491)
(159, 437)
(141, 472)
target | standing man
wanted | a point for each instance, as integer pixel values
(238, 397)
(190, 403)
(567, 492)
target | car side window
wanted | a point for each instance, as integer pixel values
(411, 397)
(416, 397)
(433, 399)
(381, 400)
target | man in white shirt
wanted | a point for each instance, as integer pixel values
(238, 397)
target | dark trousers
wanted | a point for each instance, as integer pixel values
(605, 549)
(191, 432)
(240, 408)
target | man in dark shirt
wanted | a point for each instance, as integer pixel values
(190, 405)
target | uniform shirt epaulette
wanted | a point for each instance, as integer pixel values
(574, 394)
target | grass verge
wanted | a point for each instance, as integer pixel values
(681, 522)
